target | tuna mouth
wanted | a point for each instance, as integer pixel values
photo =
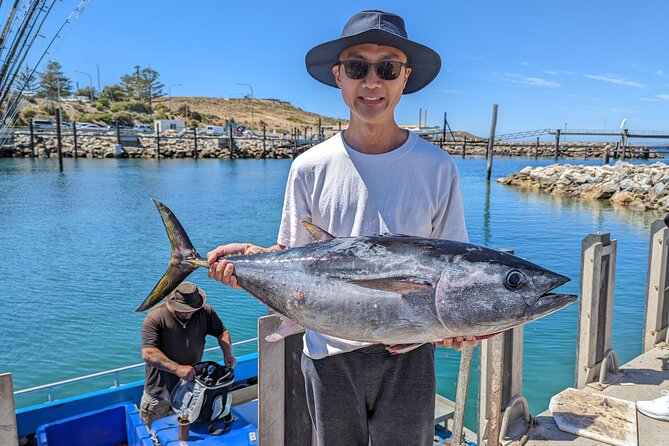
(549, 303)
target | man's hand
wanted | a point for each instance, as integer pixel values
(230, 361)
(185, 372)
(458, 342)
(223, 270)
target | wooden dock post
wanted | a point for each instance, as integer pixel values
(595, 311)
(464, 147)
(536, 149)
(461, 395)
(8, 427)
(491, 141)
(623, 149)
(32, 140)
(283, 418)
(656, 319)
(195, 142)
(74, 137)
(264, 141)
(557, 144)
(59, 141)
(157, 143)
(607, 155)
(501, 387)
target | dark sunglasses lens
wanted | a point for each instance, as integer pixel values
(356, 69)
(388, 71)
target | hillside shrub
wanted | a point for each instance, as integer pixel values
(124, 118)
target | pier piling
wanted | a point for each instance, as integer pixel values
(59, 141)
(557, 144)
(32, 140)
(8, 427)
(656, 319)
(491, 141)
(195, 142)
(74, 138)
(598, 265)
(283, 417)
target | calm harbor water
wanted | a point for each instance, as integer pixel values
(81, 249)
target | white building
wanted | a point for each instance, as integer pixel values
(163, 125)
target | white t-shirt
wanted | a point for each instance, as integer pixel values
(412, 190)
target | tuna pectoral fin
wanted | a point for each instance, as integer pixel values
(398, 349)
(287, 328)
(393, 284)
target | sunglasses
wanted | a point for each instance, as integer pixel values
(358, 69)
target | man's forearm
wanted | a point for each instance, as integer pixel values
(157, 359)
(225, 344)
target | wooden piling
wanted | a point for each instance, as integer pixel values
(461, 395)
(624, 144)
(557, 144)
(283, 418)
(59, 141)
(264, 141)
(74, 137)
(598, 265)
(232, 141)
(491, 141)
(464, 147)
(32, 140)
(536, 149)
(607, 155)
(656, 319)
(8, 427)
(157, 142)
(195, 142)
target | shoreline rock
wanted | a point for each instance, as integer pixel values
(636, 186)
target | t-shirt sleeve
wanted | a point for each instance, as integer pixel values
(215, 326)
(295, 208)
(151, 333)
(449, 220)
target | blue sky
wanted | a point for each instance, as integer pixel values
(584, 64)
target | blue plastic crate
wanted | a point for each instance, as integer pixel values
(242, 433)
(111, 426)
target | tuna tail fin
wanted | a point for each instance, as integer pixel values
(185, 259)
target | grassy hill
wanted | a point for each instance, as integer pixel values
(275, 114)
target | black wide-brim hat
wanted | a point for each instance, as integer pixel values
(187, 297)
(381, 28)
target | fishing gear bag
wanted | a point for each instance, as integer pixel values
(208, 398)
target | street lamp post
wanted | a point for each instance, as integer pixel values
(97, 69)
(90, 80)
(249, 85)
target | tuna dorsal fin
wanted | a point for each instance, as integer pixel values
(317, 234)
(393, 284)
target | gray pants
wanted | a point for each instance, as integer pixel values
(152, 408)
(368, 394)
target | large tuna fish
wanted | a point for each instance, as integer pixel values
(391, 289)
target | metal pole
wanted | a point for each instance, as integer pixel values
(461, 394)
(264, 141)
(491, 141)
(624, 147)
(464, 147)
(32, 140)
(420, 117)
(59, 142)
(536, 149)
(195, 141)
(74, 135)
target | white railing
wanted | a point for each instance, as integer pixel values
(115, 372)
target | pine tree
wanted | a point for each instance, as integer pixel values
(51, 79)
(27, 81)
(151, 87)
(131, 85)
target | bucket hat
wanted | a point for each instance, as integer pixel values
(381, 28)
(186, 298)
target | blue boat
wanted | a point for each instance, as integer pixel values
(109, 417)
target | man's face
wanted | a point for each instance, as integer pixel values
(371, 98)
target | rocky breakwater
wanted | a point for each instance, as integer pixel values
(139, 145)
(636, 186)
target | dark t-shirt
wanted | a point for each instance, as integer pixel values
(184, 345)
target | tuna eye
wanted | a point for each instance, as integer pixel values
(514, 279)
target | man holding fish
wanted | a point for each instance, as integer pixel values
(372, 178)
